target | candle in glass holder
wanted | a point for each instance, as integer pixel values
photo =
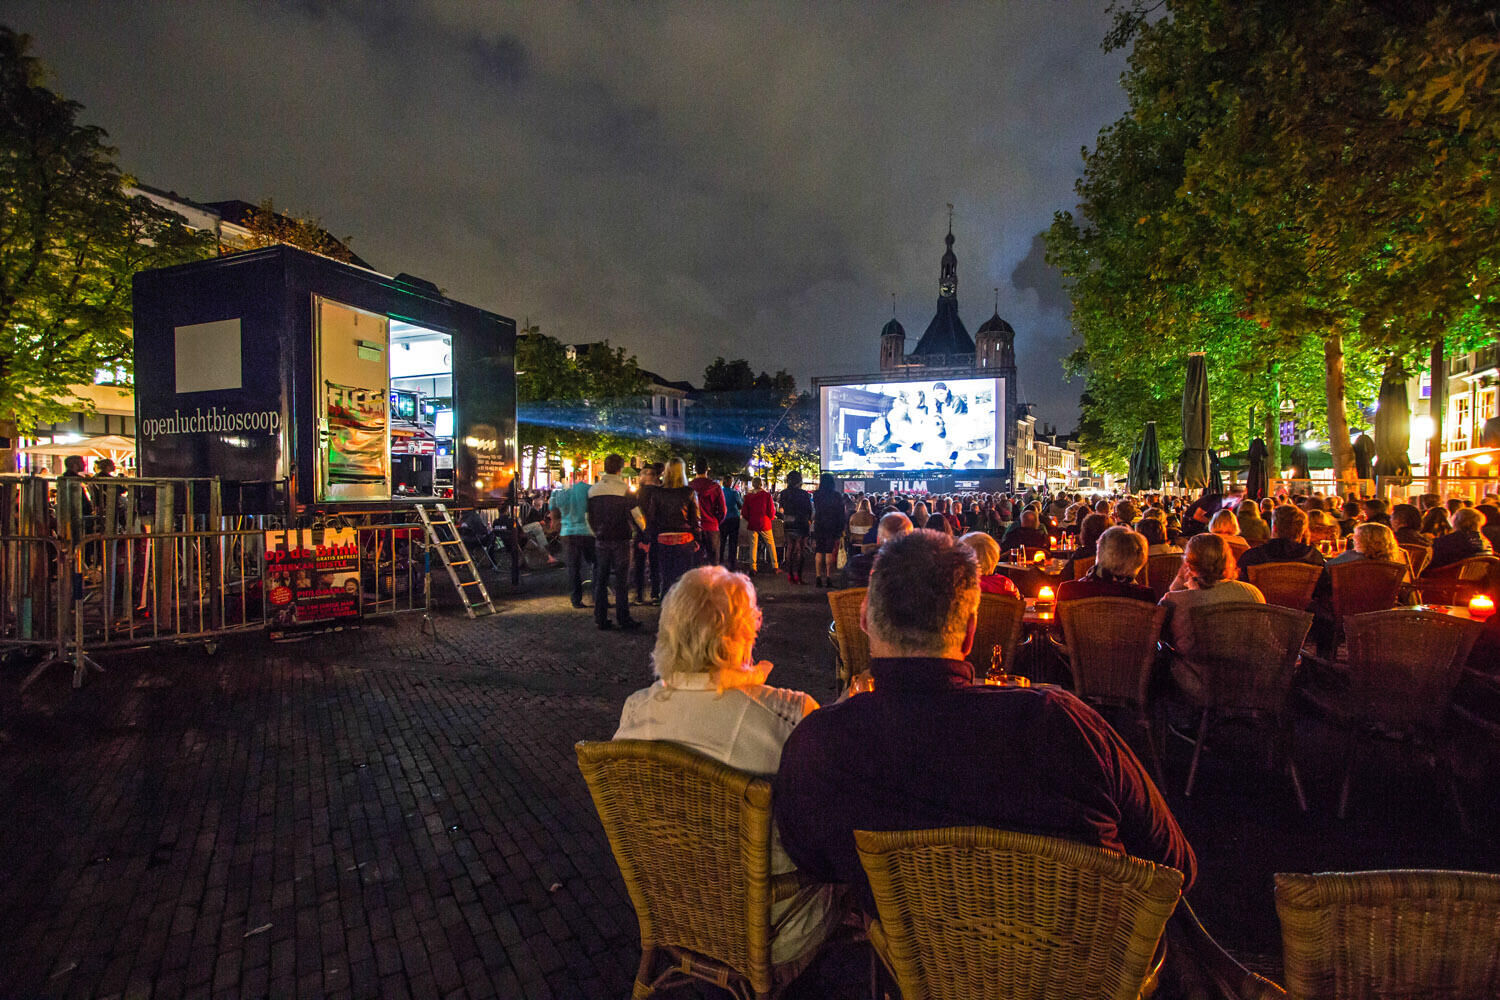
(1040, 557)
(1044, 596)
(1481, 607)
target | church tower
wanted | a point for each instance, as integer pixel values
(892, 346)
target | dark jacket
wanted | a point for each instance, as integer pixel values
(829, 516)
(671, 509)
(711, 505)
(902, 758)
(610, 504)
(796, 509)
(1094, 585)
(1279, 550)
(1032, 538)
(1457, 546)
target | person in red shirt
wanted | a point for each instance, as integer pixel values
(757, 512)
(711, 510)
(987, 551)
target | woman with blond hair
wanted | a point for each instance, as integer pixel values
(1227, 526)
(671, 511)
(710, 696)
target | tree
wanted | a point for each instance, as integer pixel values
(585, 403)
(1266, 200)
(742, 418)
(70, 241)
(269, 227)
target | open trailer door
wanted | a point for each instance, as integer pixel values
(352, 388)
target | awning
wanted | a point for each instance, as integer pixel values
(103, 444)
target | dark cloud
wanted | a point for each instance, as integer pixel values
(685, 180)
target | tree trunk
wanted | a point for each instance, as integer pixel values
(1437, 401)
(1338, 420)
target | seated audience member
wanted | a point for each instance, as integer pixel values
(987, 552)
(857, 569)
(1153, 527)
(1321, 527)
(1289, 542)
(1026, 533)
(1463, 541)
(1089, 531)
(1435, 522)
(1375, 512)
(1406, 520)
(1227, 526)
(711, 697)
(939, 522)
(1253, 529)
(1121, 557)
(1491, 528)
(1207, 577)
(1126, 512)
(901, 757)
(1371, 541)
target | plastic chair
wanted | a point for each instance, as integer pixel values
(1000, 617)
(853, 644)
(1403, 668)
(1286, 584)
(973, 912)
(692, 838)
(1357, 935)
(1245, 657)
(1161, 570)
(1110, 643)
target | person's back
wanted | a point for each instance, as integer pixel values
(902, 756)
(796, 508)
(1462, 542)
(712, 506)
(758, 510)
(572, 503)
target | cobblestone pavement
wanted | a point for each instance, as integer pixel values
(384, 813)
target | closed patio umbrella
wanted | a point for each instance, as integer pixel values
(1258, 478)
(1215, 474)
(1364, 455)
(1393, 427)
(1299, 462)
(1150, 460)
(1195, 423)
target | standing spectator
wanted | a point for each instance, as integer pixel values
(610, 510)
(672, 520)
(644, 556)
(796, 515)
(829, 525)
(711, 510)
(572, 505)
(757, 513)
(729, 528)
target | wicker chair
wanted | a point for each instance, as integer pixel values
(1000, 618)
(853, 644)
(1110, 643)
(1390, 934)
(1286, 584)
(692, 838)
(1082, 565)
(1456, 582)
(969, 912)
(1160, 571)
(1364, 585)
(1403, 668)
(1418, 556)
(1245, 656)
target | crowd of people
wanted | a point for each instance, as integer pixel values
(901, 756)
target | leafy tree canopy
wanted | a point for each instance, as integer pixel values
(70, 240)
(585, 403)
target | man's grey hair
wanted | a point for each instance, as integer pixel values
(1121, 552)
(892, 525)
(924, 588)
(1466, 519)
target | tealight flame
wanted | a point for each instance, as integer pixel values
(1039, 557)
(1045, 594)
(1481, 606)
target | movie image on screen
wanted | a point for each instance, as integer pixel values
(889, 426)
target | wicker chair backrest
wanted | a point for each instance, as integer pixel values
(854, 645)
(1247, 654)
(972, 913)
(1404, 666)
(1390, 934)
(1286, 584)
(1000, 617)
(1161, 570)
(1365, 585)
(1111, 646)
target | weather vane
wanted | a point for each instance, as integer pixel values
(950, 217)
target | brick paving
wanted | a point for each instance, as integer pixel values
(384, 813)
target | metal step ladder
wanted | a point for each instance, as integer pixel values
(442, 534)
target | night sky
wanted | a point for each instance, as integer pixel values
(684, 180)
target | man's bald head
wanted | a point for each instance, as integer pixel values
(893, 525)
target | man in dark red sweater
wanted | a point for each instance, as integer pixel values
(903, 757)
(758, 511)
(711, 509)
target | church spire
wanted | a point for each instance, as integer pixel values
(948, 282)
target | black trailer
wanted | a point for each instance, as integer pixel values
(345, 386)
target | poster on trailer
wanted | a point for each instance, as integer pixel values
(310, 583)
